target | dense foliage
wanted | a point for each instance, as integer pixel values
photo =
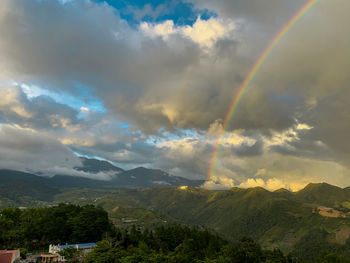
(178, 244)
(33, 229)
(315, 247)
(183, 244)
(36, 228)
(275, 219)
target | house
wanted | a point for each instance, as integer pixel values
(48, 258)
(85, 248)
(9, 256)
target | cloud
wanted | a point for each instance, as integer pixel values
(203, 32)
(252, 11)
(252, 182)
(11, 103)
(84, 109)
(271, 184)
(27, 150)
(219, 183)
(141, 80)
(40, 112)
(166, 80)
(146, 11)
(39, 153)
(173, 82)
(169, 82)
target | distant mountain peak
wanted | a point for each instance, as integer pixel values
(257, 189)
(282, 190)
(96, 166)
(321, 193)
(319, 186)
(149, 170)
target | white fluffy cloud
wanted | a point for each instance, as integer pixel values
(203, 32)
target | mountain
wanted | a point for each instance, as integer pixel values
(323, 192)
(142, 178)
(281, 218)
(276, 219)
(136, 178)
(92, 166)
(67, 181)
(95, 166)
(18, 186)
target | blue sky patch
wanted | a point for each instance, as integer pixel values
(86, 99)
(136, 11)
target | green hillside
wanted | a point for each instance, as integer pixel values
(275, 219)
(19, 188)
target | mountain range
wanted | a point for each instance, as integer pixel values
(24, 184)
(148, 197)
(280, 219)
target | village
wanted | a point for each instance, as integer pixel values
(55, 254)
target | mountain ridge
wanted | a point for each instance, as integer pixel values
(95, 166)
(139, 177)
(275, 218)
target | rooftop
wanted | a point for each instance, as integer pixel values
(83, 245)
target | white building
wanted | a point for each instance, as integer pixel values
(84, 247)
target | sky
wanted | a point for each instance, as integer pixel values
(149, 83)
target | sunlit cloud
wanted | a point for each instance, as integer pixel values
(203, 32)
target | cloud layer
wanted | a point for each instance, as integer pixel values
(166, 87)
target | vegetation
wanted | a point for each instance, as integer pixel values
(292, 222)
(178, 244)
(72, 254)
(280, 220)
(183, 244)
(33, 229)
(315, 247)
(18, 188)
(36, 228)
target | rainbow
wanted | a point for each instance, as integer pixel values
(250, 77)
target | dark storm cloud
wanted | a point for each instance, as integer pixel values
(26, 150)
(245, 150)
(41, 112)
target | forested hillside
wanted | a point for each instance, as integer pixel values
(275, 219)
(281, 219)
(36, 228)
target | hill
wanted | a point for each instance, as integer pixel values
(276, 219)
(142, 178)
(16, 184)
(19, 187)
(139, 177)
(323, 193)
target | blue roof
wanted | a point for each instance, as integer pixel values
(83, 245)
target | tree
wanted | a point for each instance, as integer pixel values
(71, 254)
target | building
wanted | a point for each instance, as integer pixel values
(9, 256)
(85, 248)
(48, 258)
